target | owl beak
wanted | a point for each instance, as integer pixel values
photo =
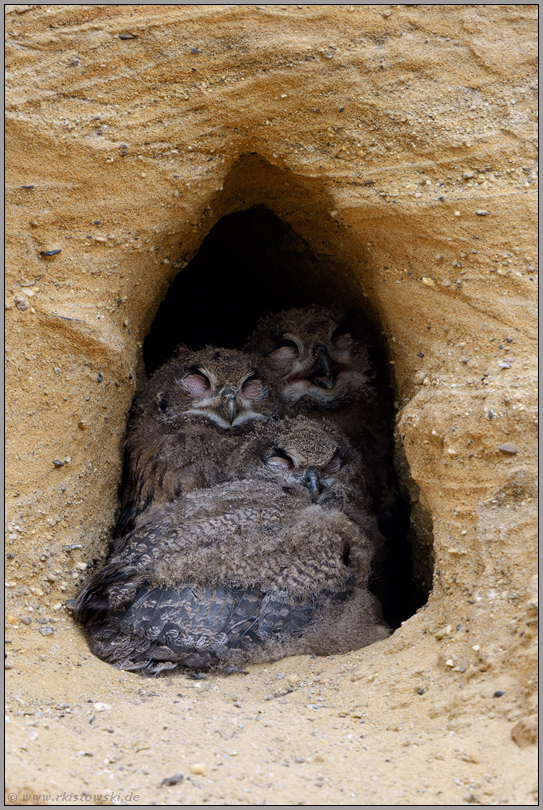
(229, 405)
(312, 482)
(321, 373)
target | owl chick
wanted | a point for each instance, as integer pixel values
(248, 570)
(318, 368)
(299, 452)
(313, 360)
(193, 411)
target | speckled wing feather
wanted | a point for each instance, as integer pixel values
(199, 626)
(220, 578)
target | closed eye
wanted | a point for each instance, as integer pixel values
(197, 384)
(334, 465)
(279, 461)
(252, 387)
(342, 341)
(284, 350)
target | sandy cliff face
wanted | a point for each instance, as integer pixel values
(399, 143)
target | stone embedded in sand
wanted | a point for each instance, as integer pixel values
(101, 707)
(526, 731)
(172, 780)
(509, 449)
(419, 377)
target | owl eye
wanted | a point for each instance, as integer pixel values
(197, 385)
(334, 465)
(252, 387)
(280, 461)
(284, 351)
(342, 342)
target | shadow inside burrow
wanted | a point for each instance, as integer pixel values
(252, 264)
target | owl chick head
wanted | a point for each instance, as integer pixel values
(312, 357)
(302, 456)
(222, 386)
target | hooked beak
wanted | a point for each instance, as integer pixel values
(229, 405)
(312, 482)
(321, 373)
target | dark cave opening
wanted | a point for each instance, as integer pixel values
(252, 264)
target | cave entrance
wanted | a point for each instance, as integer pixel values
(252, 264)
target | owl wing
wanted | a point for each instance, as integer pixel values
(161, 470)
(165, 601)
(197, 626)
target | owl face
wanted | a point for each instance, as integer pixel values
(221, 386)
(302, 457)
(312, 356)
(294, 473)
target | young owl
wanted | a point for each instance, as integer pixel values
(192, 413)
(249, 570)
(314, 362)
(318, 368)
(298, 451)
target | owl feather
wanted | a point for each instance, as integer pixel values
(248, 570)
(192, 413)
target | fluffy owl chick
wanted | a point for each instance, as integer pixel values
(313, 360)
(317, 367)
(193, 411)
(297, 453)
(240, 572)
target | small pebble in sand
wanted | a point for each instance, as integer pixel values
(508, 449)
(419, 377)
(21, 302)
(48, 254)
(101, 707)
(197, 768)
(172, 780)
